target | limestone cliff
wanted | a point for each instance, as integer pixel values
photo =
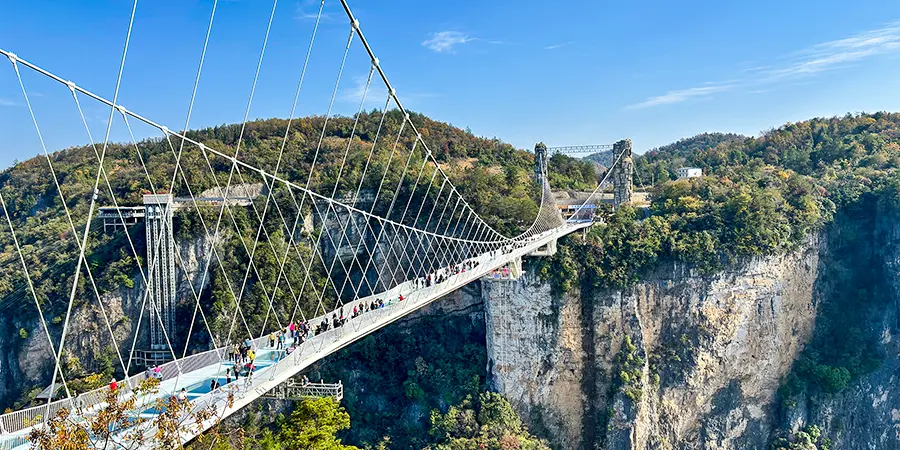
(712, 351)
(866, 415)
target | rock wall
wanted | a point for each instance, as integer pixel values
(866, 415)
(29, 364)
(712, 352)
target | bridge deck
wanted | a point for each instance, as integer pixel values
(274, 367)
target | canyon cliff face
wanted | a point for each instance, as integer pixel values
(711, 352)
(866, 415)
(684, 361)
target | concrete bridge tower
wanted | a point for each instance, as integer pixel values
(622, 173)
(541, 164)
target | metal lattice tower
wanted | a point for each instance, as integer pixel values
(161, 258)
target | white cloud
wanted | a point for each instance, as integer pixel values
(375, 97)
(556, 46)
(841, 53)
(681, 95)
(445, 41)
(8, 102)
(378, 94)
(826, 56)
(309, 10)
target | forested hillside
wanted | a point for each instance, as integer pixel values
(566, 172)
(661, 163)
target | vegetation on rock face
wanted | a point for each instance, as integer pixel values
(809, 438)
(845, 346)
(631, 371)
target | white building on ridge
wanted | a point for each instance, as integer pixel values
(689, 172)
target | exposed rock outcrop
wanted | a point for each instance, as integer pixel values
(712, 352)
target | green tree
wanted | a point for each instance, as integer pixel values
(314, 426)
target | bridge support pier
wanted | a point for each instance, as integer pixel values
(511, 271)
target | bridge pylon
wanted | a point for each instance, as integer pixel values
(622, 173)
(541, 164)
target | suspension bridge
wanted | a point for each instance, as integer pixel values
(389, 234)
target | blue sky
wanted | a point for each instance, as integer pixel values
(566, 73)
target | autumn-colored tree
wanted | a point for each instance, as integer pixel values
(117, 423)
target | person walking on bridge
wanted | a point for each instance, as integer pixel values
(248, 381)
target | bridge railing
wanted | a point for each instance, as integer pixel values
(19, 420)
